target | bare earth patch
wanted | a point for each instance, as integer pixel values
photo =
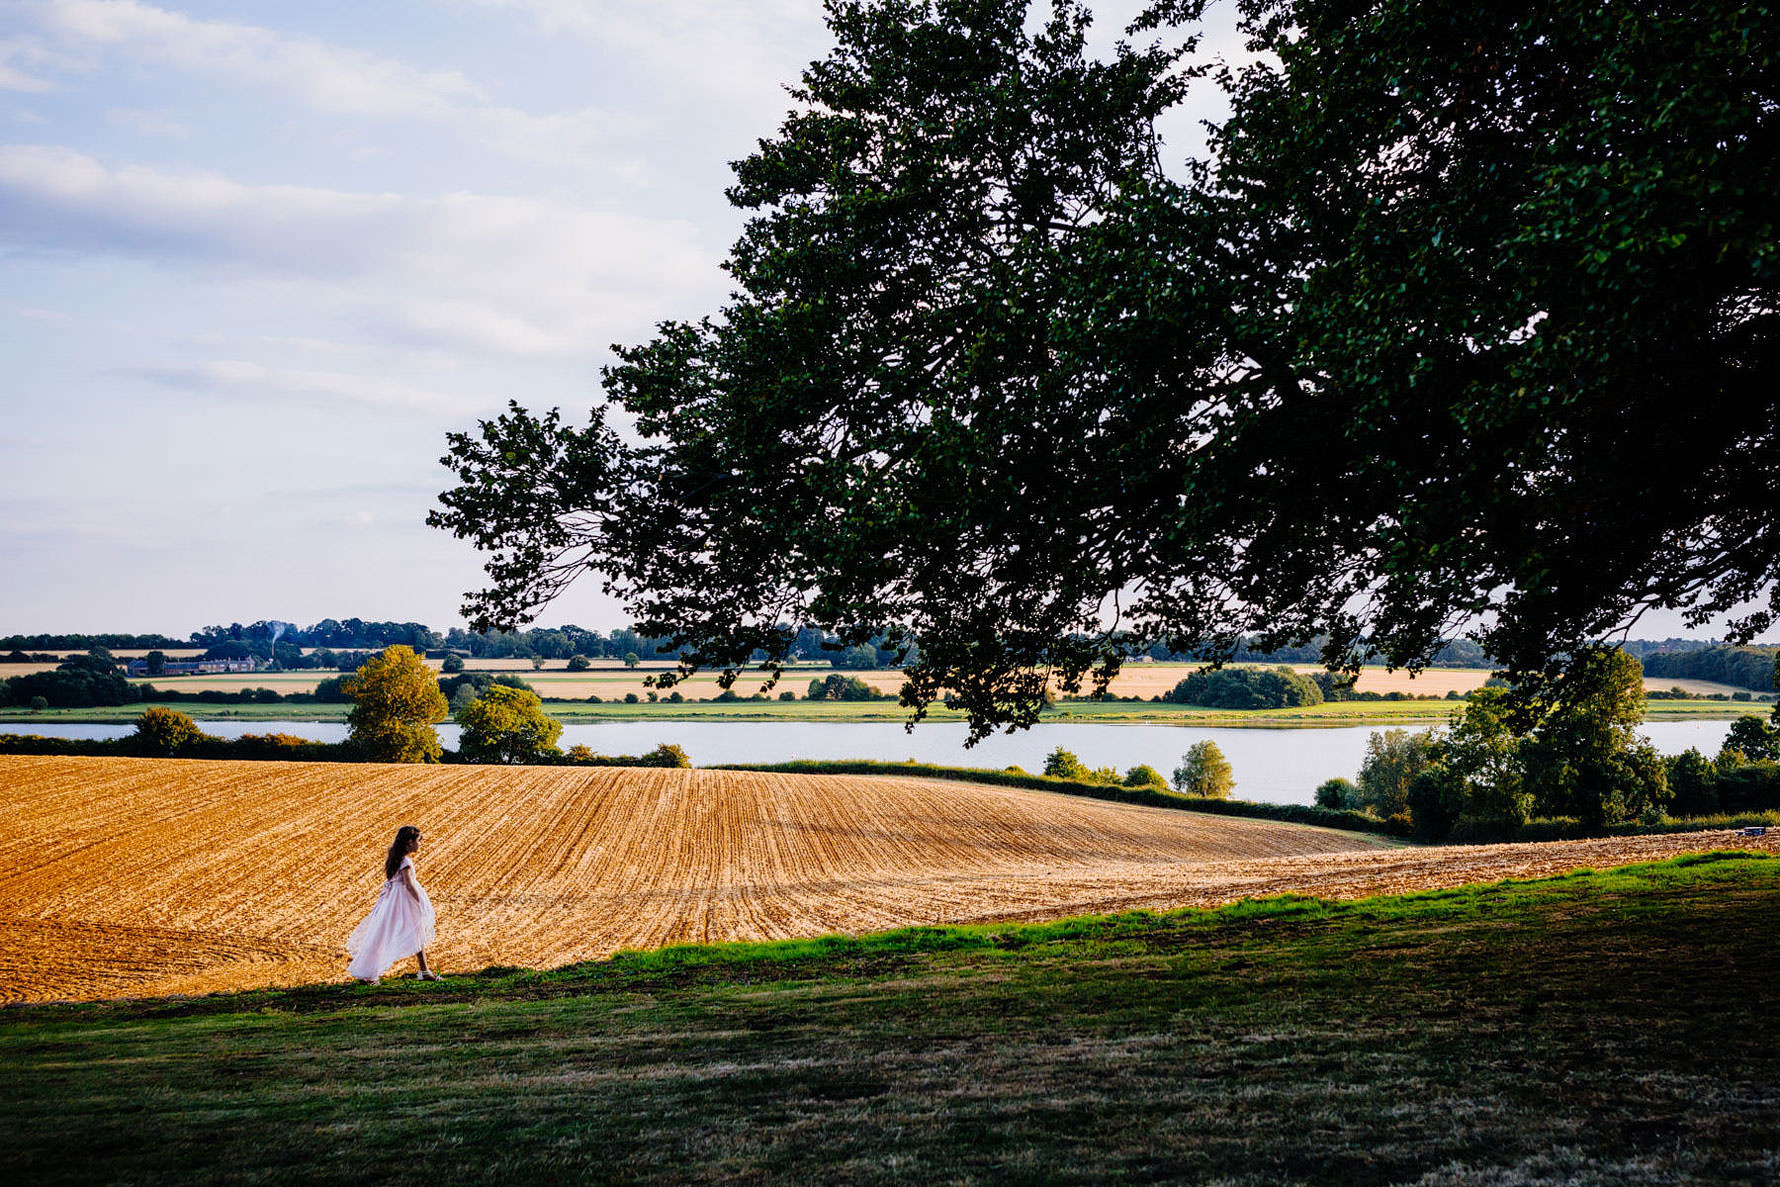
(130, 877)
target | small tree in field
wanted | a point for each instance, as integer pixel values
(1337, 793)
(507, 725)
(396, 700)
(1204, 771)
(631, 659)
(1063, 764)
(453, 665)
(1144, 775)
(164, 732)
(579, 663)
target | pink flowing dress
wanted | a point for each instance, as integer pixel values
(396, 927)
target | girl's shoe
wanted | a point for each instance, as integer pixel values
(428, 975)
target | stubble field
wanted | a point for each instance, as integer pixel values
(611, 681)
(132, 877)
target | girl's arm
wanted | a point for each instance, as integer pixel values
(408, 883)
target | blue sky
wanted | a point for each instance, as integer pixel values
(260, 258)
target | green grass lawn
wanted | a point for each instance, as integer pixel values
(1595, 1029)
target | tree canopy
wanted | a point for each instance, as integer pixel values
(1204, 771)
(396, 700)
(507, 725)
(1467, 326)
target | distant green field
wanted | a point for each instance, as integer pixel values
(1344, 713)
(1600, 1028)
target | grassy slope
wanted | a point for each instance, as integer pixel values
(1599, 1028)
(1405, 713)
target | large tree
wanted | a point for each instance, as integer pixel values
(395, 701)
(508, 725)
(1468, 325)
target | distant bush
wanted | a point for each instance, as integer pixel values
(275, 747)
(479, 682)
(247, 748)
(1063, 764)
(1338, 793)
(836, 687)
(666, 755)
(1144, 775)
(164, 732)
(1246, 688)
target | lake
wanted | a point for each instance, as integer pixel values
(1274, 765)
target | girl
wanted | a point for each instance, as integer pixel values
(401, 924)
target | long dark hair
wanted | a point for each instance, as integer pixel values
(401, 847)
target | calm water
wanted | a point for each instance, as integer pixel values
(1276, 765)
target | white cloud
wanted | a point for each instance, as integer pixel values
(506, 275)
(234, 376)
(328, 77)
(325, 77)
(739, 53)
(145, 122)
(24, 49)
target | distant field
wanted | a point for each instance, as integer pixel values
(1346, 713)
(146, 877)
(610, 680)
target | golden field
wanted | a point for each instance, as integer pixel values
(613, 681)
(134, 877)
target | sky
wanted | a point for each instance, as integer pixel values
(259, 258)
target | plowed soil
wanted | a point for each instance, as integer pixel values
(132, 877)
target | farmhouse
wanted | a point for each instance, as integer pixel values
(200, 667)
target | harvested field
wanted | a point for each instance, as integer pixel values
(131, 877)
(611, 681)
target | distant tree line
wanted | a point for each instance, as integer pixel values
(1745, 667)
(1457, 653)
(86, 642)
(345, 643)
(1580, 768)
(80, 682)
(1246, 688)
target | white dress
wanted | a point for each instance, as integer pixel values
(396, 927)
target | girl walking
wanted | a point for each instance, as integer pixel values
(401, 924)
